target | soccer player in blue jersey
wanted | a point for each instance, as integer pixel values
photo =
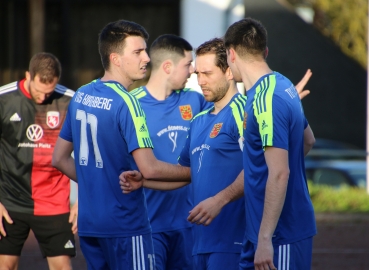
(213, 150)
(169, 108)
(106, 128)
(280, 217)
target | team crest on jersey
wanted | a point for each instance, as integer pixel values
(216, 129)
(244, 120)
(52, 119)
(186, 112)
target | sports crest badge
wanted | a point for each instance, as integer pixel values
(186, 112)
(215, 130)
(245, 120)
(52, 119)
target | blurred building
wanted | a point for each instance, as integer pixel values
(336, 108)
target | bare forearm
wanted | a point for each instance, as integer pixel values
(233, 192)
(166, 172)
(309, 140)
(153, 169)
(62, 159)
(67, 166)
(160, 185)
(275, 195)
(275, 190)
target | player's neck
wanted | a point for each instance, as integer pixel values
(158, 87)
(118, 77)
(26, 85)
(252, 72)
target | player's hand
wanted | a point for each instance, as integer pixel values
(205, 212)
(130, 181)
(264, 256)
(300, 86)
(4, 213)
(73, 217)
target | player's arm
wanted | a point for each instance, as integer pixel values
(154, 169)
(205, 212)
(168, 176)
(62, 159)
(300, 86)
(4, 216)
(309, 139)
(133, 180)
(275, 194)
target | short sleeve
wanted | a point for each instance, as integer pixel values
(132, 122)
(273, 123)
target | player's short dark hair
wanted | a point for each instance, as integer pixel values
(214, 46)
(247, 36)
(168, 46)
(112, 38)
(46, 66)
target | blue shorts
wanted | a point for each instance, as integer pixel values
(173, 249)
(121, 253)
(216, 261)
(294, 256)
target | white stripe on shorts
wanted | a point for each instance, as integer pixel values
(284, 257)
(138, 253)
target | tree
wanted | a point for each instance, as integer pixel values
(345, 22)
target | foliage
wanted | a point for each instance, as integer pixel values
(343, 199)
(345, 22)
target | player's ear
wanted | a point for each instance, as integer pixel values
(229, 74)
(167, 66)
(232, 55)
(28, 76)
(114, 59)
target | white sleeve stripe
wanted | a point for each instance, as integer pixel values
(63, 90)
(8, 88)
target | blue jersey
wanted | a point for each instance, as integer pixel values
(168, 122)
(213, 151)
(274, 117)
(105, 124)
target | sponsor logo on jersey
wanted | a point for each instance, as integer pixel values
(245, 120)
(34, 132)
(186, 112)
(173, 137)
(15, 118)
(143, 128)
(172, 128)
(264, 125)
(216, 129)
(52, 119)
(202, 149)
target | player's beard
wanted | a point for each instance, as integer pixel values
(220, 92)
